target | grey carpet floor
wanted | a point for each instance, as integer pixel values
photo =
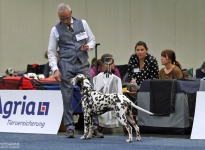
(113, 140)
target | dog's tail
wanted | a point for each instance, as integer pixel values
(139, 108)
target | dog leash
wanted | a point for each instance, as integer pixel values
(79, 101)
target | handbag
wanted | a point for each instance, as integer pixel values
(187, 73)
(20, 83)
(131, 87)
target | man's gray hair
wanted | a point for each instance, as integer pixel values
(62, 7)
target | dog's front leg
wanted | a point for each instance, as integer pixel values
(90, 132)
(86, 126)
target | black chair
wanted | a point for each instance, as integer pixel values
(123, 69)
(199, 73)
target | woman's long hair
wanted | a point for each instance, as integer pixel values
(171, 55)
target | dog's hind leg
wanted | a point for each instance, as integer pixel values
(131, 120)
(129, 130)
(122, 118)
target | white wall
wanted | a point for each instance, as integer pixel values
(117, 25)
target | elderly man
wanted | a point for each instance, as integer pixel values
(74, 39)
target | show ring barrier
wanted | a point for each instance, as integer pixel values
(30, 111)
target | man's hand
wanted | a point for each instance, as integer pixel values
(57, 75)
(85, 47)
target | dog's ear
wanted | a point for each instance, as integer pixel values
(87, 77)
(78, 80)
(79, 84)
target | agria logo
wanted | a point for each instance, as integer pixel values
(22, 107)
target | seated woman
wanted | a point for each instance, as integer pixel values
(102, 67)
(172, 69)
(200, 72)
(141, 65)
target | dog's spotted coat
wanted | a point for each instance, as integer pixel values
(95, 103)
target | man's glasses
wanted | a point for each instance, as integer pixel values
(66, 19)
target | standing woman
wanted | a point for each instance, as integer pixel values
(172, 69)
(141, 65)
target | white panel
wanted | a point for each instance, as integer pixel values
(30, 111)
(199, 122)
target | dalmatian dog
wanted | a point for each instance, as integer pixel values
(95, 103)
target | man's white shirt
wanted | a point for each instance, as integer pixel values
(53, 43)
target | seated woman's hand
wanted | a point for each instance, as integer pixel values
(133, 81)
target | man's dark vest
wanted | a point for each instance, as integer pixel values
(69, 47)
